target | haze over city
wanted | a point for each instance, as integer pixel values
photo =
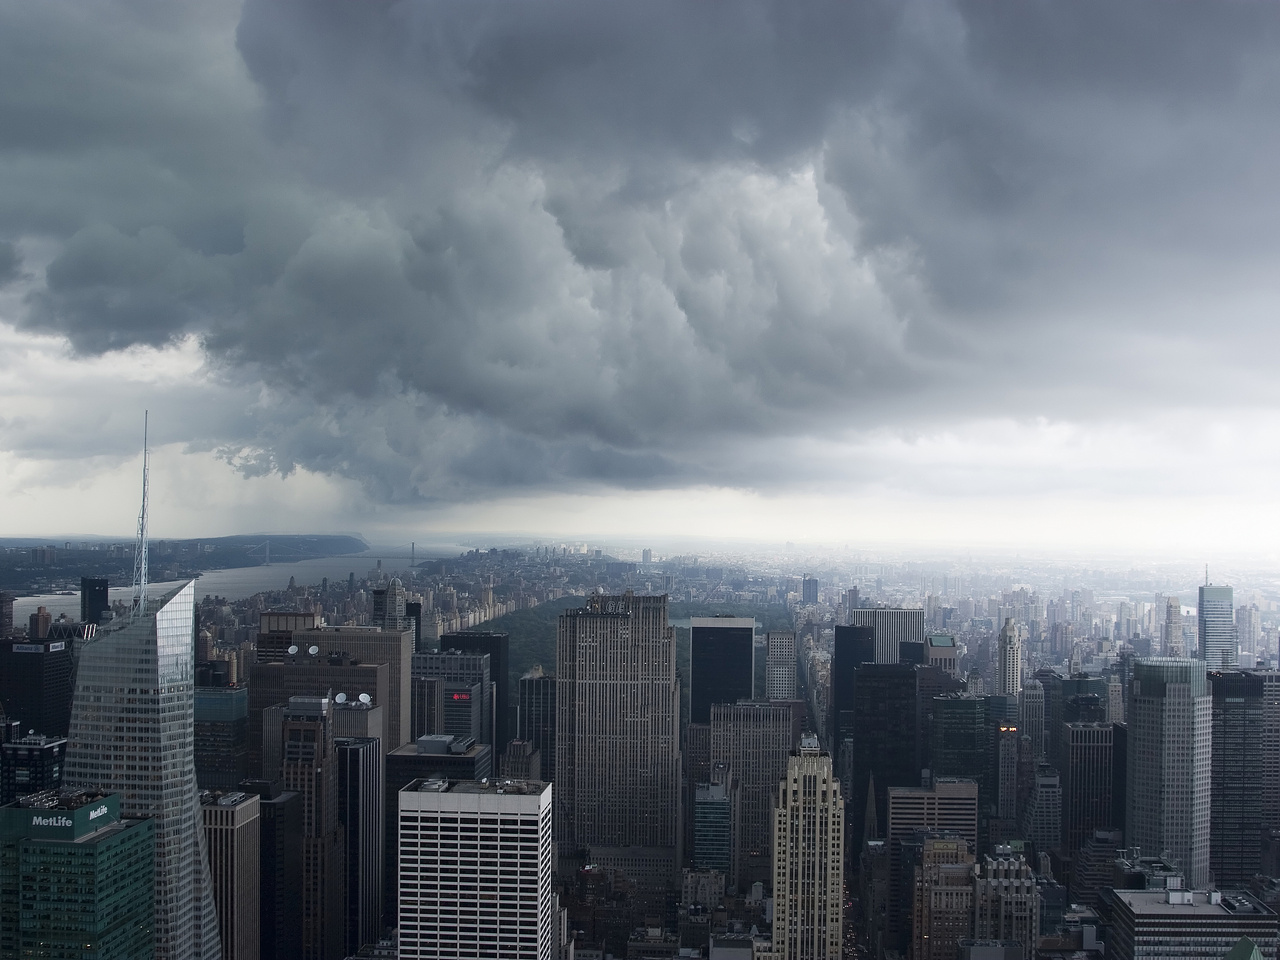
(923, 275)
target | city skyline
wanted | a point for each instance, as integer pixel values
(880, 274)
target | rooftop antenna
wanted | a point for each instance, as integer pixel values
(140, 551)
(1206, 574)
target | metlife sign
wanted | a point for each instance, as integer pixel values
(43, 824)
(39, 647)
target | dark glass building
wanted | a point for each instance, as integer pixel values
(222, 737)
(880, 748)
(498, 647)
(1235, 809)
(360, 809)
(31, 764)
(537, 717)
(35, 684)
(721, 668)
(852, 647)
(280, 912)
(93, 599)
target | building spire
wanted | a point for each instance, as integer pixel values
(140, 550)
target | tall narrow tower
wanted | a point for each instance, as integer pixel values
(1009, 679)
(808, 859)
(132, 732)
(1217, 629)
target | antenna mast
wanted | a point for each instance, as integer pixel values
(140, 550)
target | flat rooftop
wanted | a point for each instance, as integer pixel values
(1155, 903)
(494, 785)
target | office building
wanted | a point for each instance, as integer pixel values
(1204, 925)
(754, 741)
(1006, 902)
(850, 648)
(498, 647)
(77, 879)
(1009, 662)
(950, 806)
(1171, 630)
(233, 836)
(808, 859)
(942, 898)
(390, 606)
(93, 599)
(1169, 744)
(475, 870)
(1249, 627)
(1215, 617)
(222, 736)
(780, 665)
(426, 706)
(536, 717)
(715, 823)
(879, 749)
(617, 733)
(467, 691)
(1086, 782)
(306, 674)
(31, 764)
(359, 645)
(520, 761)
(890, 626)
(809, 590)
(132, 731)
(721, 663)
(35, 684)
(1031, 715)
(361, 779)
(1042, 817)
(279, 870)
(940, 651)
(959, 741)
(309, 767)
(1235, 813)
(6, 615)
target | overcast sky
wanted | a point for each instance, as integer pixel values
(852, 272)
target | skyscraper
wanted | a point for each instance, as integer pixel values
(1171, 629)
(1236, 813)
(361, 776)
(93, 599)
(1031, 715)
(468, 691)
(1217, 630)
(537, 716)
(1169, 744)
(618, 732)
(31, 764)
(780, 665)
(879, 751)
(1009, 665)
(721, 670)
(133, 732)
(1086, 782)
(475, 870)
(233, 833)
(35, 684)
(891, 626)
(808, 859)
(498, 647)
(850, 648)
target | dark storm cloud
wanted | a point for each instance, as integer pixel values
(457, 247)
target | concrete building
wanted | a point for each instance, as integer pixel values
(942, 899)
(1042, 818)
(1009, 662)
(536, 717)
(498, 647)
(950, 806)
(133, 733)
(780, 665)
(940, 651)
(1031, 715)
(467, 691)
(808, 859)
(890, 626)
(233, 833)
(1086, 782)
(1169, 744)
(618, 733)
(31, 764)
(474, 878)
(279, 869)
(1006, 901)
(1199, 925)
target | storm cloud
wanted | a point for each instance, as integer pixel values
(452, 249)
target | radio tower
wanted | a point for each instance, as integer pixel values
(140, 551)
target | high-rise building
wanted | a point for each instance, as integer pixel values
(1042, 817)
(475, 870)
(279, 869)
(132, 731)
(950, 806)
(1249, 627)
(35, 684)
(467, 691)
(361, 777)
(389, 606)
(959, 741)
(426, 706)
(1235, 814)
(1219, 648)
(618, 731)
(1031, 715)
(754, 742)
(233, 834)
(93, 599)
(890, 626)
(498, 647)
(808, 859)
(1169, 744)
(940, 651)
(77, 879)
(715, 822)
(780, 665)
(6, 614)
(809, 590)
(1009, 664)
(879, 749)
(1086, 782)
(1202, 924)
(850, 648)
(1171, 629)
(222, 736)
(310, 767)
(942, 901)
(721, 666)
(1006, 902)
(537, 717)
(31, 764)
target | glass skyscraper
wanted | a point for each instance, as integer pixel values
(1216, 615)
(133, 733)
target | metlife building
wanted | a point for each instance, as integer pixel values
(82, 879)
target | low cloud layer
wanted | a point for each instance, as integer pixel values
(460, 250)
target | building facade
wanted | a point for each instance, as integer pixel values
(1215, 620)
(721, 668)
(233, 834)
(780, 665)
